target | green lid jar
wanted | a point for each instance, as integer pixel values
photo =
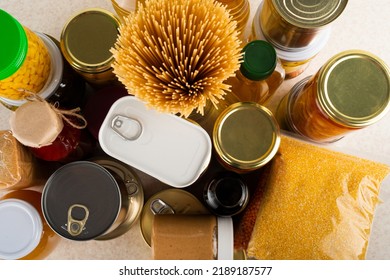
(24, 59)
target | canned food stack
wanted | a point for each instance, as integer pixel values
(135, 124)
(297, 29)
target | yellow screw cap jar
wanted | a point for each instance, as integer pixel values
(24, 59)
(350, 91)
(246, 136)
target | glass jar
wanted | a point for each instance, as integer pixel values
(246, 136)
(240, 11)
(25, 233)
(291, 25)
(192, 237)
(260, 74)
(294, 61)
(349, 92)
(97, 28)
(226, 194)
(25, 60)
(99, 199)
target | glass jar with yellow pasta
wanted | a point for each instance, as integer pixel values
(24, 59)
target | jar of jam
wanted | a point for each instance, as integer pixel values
(260, 73)
(292, 25)
(50, 135)
(97, 28)
(192, 237)
(246, 136)
(25, 60)
(349, 92)
(24, 232)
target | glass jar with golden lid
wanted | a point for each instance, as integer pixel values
(246, 136)
(349, 92)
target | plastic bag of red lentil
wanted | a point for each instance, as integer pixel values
(315, 203)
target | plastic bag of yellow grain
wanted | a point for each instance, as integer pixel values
(316, 204)
(17, 166)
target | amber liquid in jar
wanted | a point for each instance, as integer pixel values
(308, 119)
(239, 10)
(49, 239)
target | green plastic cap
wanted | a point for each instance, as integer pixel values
(13, 45)
(259, 60)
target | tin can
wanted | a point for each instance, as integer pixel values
(97, 28)
(246, 136)
(83, 200)
(168, 201)
(294, 61)
(291, 25)
(349, 92)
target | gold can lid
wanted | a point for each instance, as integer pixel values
(353, 88)
(310, 13)
(87, 38)
(246, 135)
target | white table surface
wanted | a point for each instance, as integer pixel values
(363, 25)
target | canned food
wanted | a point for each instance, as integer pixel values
(349, 92)
(246, 137)
(25, 62)
(169, 201)
(83, 200)
(192, 237)
(294, 61)
(297, 24)
(93, 27)
(162, 145)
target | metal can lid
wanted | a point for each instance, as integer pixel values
(310, 13)
(14, 45)
(353, 88)
(81, 200)
(246, 135)
(87, 38)
(21, 228)
(170, 201)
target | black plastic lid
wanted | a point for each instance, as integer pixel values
(81, 191)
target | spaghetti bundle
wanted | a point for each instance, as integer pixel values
(175, 54)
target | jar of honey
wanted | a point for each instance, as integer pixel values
(297, 24)
(246, 136)
(192, 237)
(25, 62)
(86, 40)
(24, 232)
(349, 92)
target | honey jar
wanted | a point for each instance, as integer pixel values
(24, 232)
(349, 92)
(86, 40)
(246, 136)
(25, 63)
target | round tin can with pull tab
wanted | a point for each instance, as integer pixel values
(98, 199)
